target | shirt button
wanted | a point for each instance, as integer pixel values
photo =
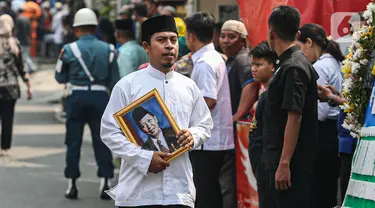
(166, 81)
(277, 61)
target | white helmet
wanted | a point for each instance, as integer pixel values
(85, 17)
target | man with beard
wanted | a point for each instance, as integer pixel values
(243, 89)
(163, 140)
(146, 178)
(291, 118)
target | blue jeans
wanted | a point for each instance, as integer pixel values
(28, 62)
(86, 107)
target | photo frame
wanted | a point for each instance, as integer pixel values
(148, 123)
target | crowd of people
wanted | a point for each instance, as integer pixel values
(210, 78)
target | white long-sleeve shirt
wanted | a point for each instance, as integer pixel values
(137, 187)
(58, 27)
(210, 75)
(329, 70)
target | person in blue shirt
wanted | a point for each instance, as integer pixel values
(131, 54)
(89, 68)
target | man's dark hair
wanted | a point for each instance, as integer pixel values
(129, 34)
(20, 10)
(318, 36)
(88, 28)
(202, 24)
(218, 27)
(141, 10)
(285, 22)
(263, 50)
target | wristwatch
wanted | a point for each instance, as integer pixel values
(331, 102)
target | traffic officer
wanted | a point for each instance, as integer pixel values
(89, 68)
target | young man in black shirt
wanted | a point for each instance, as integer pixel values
(263, 60)
(290, 118)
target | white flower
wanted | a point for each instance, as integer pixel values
(347, 85)
(370, 7)
(355, 67)
(346, 62)
(356, 36)
(367, 15)
(364, 62)
(347, 126)
(352, 46)
(354, 134)
(351, 118)
(357, 54)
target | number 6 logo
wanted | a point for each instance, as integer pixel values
(340, 24)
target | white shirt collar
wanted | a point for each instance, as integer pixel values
(201, 51)
(325, 55)
(158, 74)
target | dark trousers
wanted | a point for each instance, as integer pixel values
(58, 49)
(345, 170)
(6, 118)
(295, 197)
(159, 206)
(255, 153)
(86, 107)
(261, 175)
(214, 178)
(326, 166)
(265, 195)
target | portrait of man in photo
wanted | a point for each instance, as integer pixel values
(158, 139)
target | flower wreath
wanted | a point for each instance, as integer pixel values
(359, 71)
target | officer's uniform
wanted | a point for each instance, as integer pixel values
(89, 68)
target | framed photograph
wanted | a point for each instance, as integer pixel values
(148, 123)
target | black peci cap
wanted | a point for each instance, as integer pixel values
(139, 113)
(124, 24)
(156, 24)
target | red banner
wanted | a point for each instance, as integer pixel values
(255, 13)
(246, 183)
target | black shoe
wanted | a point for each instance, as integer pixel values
(104, 187)
(72, 192)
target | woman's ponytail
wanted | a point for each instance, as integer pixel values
(333, 48)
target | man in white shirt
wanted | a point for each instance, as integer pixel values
(216, 184)
(146, 178)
